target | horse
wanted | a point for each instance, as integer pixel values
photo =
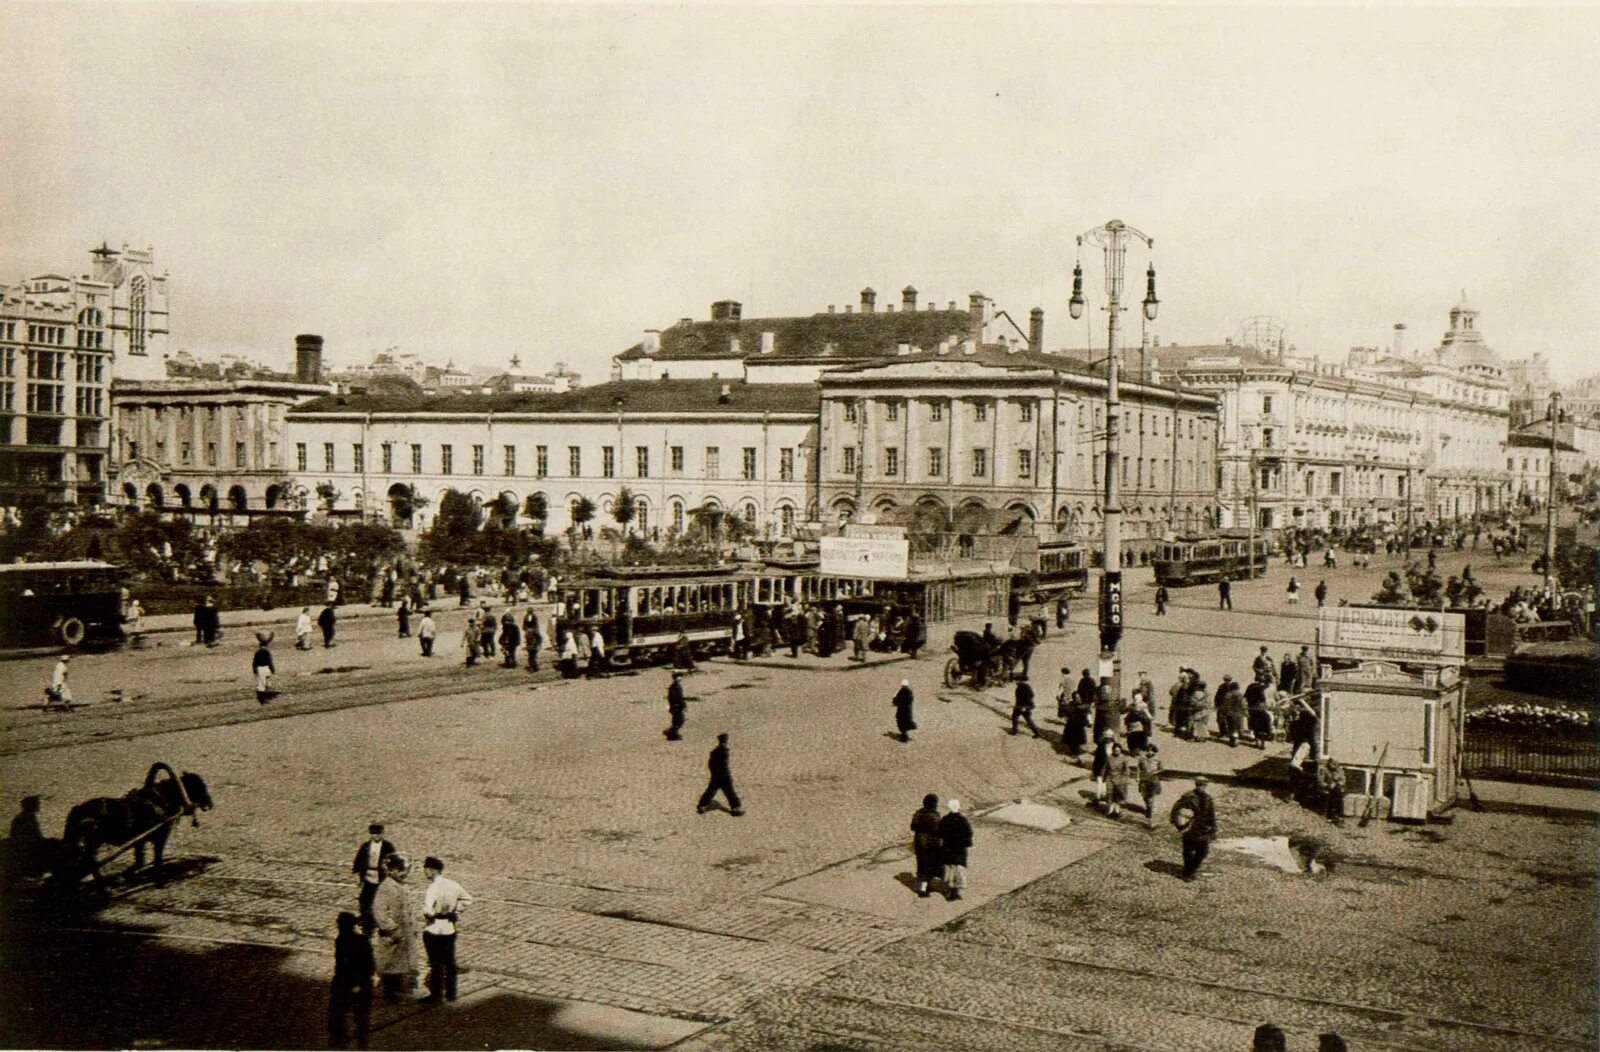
(144, 814)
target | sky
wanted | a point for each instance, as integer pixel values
(475, 182)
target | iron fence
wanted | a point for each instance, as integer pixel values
(1547, 757)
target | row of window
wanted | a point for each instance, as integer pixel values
(849, 462)
(749, 460)
(1160, 423)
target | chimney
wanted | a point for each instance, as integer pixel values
(849, 308)
(902, 349)
(308, 359)
(889, 307)
(1399, 339)
(1036, 330)
(725, 395)
(908, 298)
(685, 321)
(768, 342)
(869, 299)
(726, 310)
(969, 347)
(830, 308)
(952, 305)
(652, 341)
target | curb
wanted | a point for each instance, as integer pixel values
(850, 666)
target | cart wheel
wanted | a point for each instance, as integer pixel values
(71, 630)
(952, 672)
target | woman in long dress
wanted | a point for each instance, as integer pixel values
(397, 912)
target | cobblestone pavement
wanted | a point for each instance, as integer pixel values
(570, 817)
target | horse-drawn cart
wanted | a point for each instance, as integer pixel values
(979, 661)
(99, 831)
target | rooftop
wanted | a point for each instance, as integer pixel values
(630, 396)
(829, 335)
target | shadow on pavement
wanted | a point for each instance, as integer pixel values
(75, 987)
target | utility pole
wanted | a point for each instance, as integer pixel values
(1250, 552)
(1550, 502)
(1113, 239)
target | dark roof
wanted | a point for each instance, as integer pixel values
(632, 396)
(992, 355)
(845, 336)
(1170, 357)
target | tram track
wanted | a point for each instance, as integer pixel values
(295, 930)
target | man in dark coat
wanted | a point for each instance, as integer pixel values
(1022, 707)
(326, 621)
(721, 779)
(955, 838)
(1086, 691)
(904, 721)
(402, 616)
(1195, 816)
(200, 622)
(486, 630)
(351, 993)
(1162, 598)
(368, 867)
(1225, 593)
(925, 844)
(510, 638)
(677, 707)
(1321, 593)
(916, 635)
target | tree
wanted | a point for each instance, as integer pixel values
(626, 508)
(504, 510)
(582, 511)
(537, 509)
(326, 492)
(454, 533)
(706, 522)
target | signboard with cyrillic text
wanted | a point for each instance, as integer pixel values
(879, 558)
(1372, 634)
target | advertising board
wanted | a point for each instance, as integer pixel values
(1376, 634)
(878, 558)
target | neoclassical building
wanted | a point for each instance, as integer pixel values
(994, 439)
(674, 444)
(62, 340)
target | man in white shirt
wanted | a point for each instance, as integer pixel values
(441, 906)
(59, 691)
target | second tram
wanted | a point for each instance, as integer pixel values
(1199, 560)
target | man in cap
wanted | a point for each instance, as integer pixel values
(442, 904)
(1195, 816)
(721, 779)
(677, 707)
(1022, 707)
(368, 866)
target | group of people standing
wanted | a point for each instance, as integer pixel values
(380, 937)
(941, 844)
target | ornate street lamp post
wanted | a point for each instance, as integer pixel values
(1113, 239)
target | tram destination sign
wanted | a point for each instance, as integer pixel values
(1370, 634)
(879, 558)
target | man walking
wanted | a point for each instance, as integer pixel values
(326, 621)
(721, 779)
(302, 629)
(351, 990)
(904, 721)
(510, 638)
(925, 844)
(955, 839)
(486, 630)
(1225, 593)
(1195, 816)
(426, 632)
(1162, 598)
(442, 904)
(677, 707)
(59, 692)
(368, 867)
(1321, 593)
(1022, 707)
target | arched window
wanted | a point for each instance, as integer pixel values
(677, 516)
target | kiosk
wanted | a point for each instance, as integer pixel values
(1392, 707)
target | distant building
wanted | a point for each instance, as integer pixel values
(210, 447)
(62, 340)
(675, 445)
(797, 349)
(514, 382)
(995, 439)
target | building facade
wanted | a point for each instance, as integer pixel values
(987, 440)
(62, 339)
(675, 445)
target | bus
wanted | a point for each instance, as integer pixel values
(1201, 560)
(61, 604)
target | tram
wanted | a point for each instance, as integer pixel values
(1052, 572)
(642, 612)
(1199, 560)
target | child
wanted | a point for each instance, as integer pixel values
(1149, 783)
